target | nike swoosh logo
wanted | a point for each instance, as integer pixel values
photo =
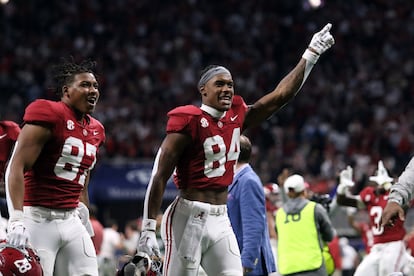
(233, 118)
(2, 136)
(95, 133)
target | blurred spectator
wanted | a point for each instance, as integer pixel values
(350, 257)
(130, 237)
(111, 245)
(273, 202)
(98, 228)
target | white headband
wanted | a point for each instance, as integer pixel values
(211, 73)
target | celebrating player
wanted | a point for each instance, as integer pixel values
(49, 172)
(202, 147)
(9, 131)
(388, 254)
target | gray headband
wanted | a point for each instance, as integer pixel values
(211, 73)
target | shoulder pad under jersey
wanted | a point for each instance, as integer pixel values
(41, 111)
(186, 110)
(238, 100)
(13, 129)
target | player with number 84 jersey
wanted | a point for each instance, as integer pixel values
(211, 159)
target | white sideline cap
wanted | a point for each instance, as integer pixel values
(295, 182)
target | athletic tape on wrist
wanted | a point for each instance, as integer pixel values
(310, 56)
(149, 225)
(341, 190)
(16, 215)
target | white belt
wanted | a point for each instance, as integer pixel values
(214, 210)
(47, 213)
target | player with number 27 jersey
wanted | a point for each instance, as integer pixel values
(210, 161)
(66, 159)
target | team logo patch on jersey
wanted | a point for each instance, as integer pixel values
(220, 124)
(70, 125)
(85, 132)
(204, 122)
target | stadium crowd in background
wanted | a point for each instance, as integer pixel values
(355, 109)
(150, 59)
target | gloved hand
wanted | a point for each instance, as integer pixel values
(16, 231)
(345, 181)
(321, 41)
(148, 240)
(83, 213)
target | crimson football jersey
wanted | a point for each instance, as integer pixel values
(8, 135)
(209, 161)
(366, 235)
(59, 173)
(375, 205)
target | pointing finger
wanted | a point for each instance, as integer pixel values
(326, 28)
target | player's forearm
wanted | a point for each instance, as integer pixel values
(284, 91)
(15, 192)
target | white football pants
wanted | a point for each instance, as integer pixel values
(61, 241)
(197, 233)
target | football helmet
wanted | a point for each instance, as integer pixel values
(18, 262)
(271, 188)
(142, 265)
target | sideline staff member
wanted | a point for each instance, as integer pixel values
(303, 226)
(246, 205)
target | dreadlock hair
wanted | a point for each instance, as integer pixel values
(64, 72)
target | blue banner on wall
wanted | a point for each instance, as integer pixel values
(126, 181)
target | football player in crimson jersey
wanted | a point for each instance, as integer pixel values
(388, 253)
(201, 148)
(363, 228)
(48, 174)
(9, 131)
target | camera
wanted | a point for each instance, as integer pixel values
(324, 199)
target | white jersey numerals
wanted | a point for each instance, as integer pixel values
(215, 152)
(23, 265)
(73, 151)
(376, 213)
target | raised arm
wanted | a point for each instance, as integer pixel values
(290, 85)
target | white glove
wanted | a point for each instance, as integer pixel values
(16, 231)
(321, 41)
(345, 181)
(83, 213)
(148, 240)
